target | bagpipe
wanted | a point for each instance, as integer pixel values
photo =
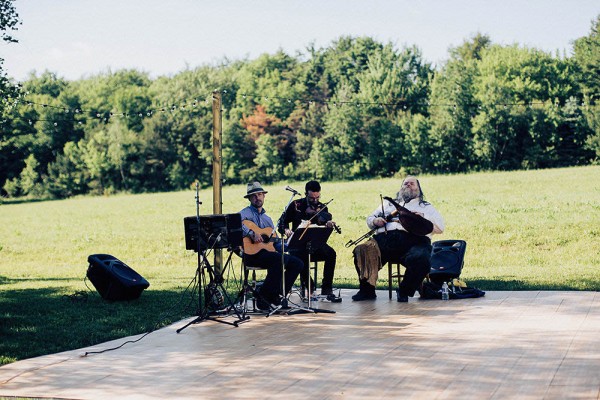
(412, 222)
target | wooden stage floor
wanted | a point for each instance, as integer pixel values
(507, 345)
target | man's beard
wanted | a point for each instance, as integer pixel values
(407, 194)
(258, 203)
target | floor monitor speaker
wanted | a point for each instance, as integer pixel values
(113, 279)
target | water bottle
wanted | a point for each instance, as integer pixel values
(445, 294)
(314, 297)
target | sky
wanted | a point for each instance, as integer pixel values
(80, 38)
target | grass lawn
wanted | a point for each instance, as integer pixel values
(525, 230)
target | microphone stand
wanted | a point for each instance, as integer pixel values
(280, 222)
(309, 249)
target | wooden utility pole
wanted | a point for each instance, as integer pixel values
(217, 167)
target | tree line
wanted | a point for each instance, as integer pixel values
(353, 110)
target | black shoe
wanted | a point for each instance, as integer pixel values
(400, 298)
(333, 298)
(262, 304)
(360, 296)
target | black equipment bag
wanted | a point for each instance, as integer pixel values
(433, 290)
(447, 260)
(113, 279)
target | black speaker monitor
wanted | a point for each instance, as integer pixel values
(447, 259)
(216, 231)
(113, 279)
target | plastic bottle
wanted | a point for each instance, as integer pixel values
(445, 293)
(314, 297)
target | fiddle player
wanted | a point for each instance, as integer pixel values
(311, 209)
(262, 248)
(396, 239)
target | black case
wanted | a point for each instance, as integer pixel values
(113, 279)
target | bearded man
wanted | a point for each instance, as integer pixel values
(396, 239)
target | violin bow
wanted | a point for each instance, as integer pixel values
(317, 213)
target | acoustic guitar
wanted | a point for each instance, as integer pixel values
(269, 236)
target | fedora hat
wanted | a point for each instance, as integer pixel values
(254, 187)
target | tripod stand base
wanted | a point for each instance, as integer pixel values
(307, 310)
(202, 318)
(311, 310)
(213, 295)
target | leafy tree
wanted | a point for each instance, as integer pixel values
(395, 83)
(183, 131)
(471, 49)
(9, 162)
(30, 181)
(17, 135)
(268, 160)
(450, 142)
(417, 147)
(67, 175)
(509, 79)
(239, 151)
(587, 56)
(356, 109)
(9, 20)
(307, 123)
(56, 122)
(343, 144)
(344, 60)
(271, 81)
(120, 95)
(39, 125)
(453, 108)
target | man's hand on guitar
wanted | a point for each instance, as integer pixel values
(257, 238)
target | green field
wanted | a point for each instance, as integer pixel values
(525, 230)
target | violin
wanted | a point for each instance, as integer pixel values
(337, 228)
(323, 216)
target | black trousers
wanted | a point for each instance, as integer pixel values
(324, 253)
(412, 251)
(271, 261)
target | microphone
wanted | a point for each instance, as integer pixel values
(289, 189)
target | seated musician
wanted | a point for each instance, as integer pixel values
(405, 237)
(311, 209)
(262, 248)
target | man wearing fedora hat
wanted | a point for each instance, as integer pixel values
(268, 257)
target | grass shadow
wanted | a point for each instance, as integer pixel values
(7, 281)
(514, 284)
(36, 322)
(8, 200)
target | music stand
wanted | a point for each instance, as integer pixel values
(204, 233)
(310, 239)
